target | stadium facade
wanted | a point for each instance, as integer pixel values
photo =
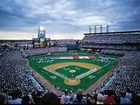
(124, 74)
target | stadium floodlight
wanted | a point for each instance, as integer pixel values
(107, 28)
(95, 29)
(90, 30)
(101, 27)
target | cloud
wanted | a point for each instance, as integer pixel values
(15, 35)
(90, 20)
(68, 16)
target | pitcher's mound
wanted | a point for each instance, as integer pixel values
(72, 71)
(72, 82)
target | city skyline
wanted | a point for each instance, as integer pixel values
(65, 19)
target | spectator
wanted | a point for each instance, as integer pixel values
(92, 99)
(49, 99)
(79, 98)
(26, 100)
(124, 99)
(66, 98)
(129, 94)
(109, 99)
(37, 97)
(15, 99)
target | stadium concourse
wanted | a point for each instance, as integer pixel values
(19, 85)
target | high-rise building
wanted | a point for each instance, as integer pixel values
(41, 32)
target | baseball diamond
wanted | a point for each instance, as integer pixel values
(73, 74)
(69, 52)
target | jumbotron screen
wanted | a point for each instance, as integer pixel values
(42, 39)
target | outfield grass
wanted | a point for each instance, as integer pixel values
(59, 82)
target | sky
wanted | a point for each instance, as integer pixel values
(65, 19)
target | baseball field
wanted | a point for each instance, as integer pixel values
(73, 71)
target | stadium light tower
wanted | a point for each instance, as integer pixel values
(101, 27)
(98, 26)
(90, 30)
(107, 28)
(95, 28)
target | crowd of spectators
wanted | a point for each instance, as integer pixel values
(16, 73)
(65, 42)
(122, 87)
(127, 73)
(125, 42)
(44, 50)
(115, 52)
(79, 97)
(111, 47)
(112, 39)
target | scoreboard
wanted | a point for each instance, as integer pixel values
(41, 42)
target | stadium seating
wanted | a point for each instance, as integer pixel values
(15, 74)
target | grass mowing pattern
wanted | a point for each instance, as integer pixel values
(59, 82)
